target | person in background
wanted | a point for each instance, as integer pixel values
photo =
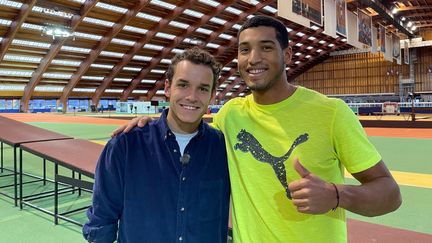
(167, 181)
(288, 147)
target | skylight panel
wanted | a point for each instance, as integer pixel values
(163, 4)
(226, 69)
(135, 29)
(319, 50)
(204, 31)
(11, 4)
(231, 78)
(157, 71)
(160, 92)
(225, 36)
(212, 45)
(134, 69)
(141, 58)
(123, 42)
(98, 78)
(300, 34)
(75, 49)
(165, 61)
(139, 91)
(99, 22)
(210, 3)
(122, 79)
(165, 35)
(297, 62)
(193, 13)
(31, 26)
(111, 7)
(111, 54)
(250, 16)
(235, 60)
(153, 47)
(311, 38)
(242, 94)
(322, 42)
(15, 87)
(314, 27)
(270, 9)
(31, 44)
(229, 94)
(237, 26)
(46, 88)
(87, 36)
(113, 91)
(176, 50)
(298, 54)
(52, 12)
(57, 75)
(218, 21)
(148, 81)
(149, 17)
(66, 63)
(5, 22)
(308, 56)
(16, 58)
(331, 45)
(84, 90)
(223, 85)
(178, 24)
(236, 86)
(289, 29)
(344, 40)
(309, 47)
(104, 66)
(233, 10)
(15, 73)
(298, 44)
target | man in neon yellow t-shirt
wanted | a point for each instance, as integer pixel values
(287, 149)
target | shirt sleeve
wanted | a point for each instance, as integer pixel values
(107, 204)
(352, 145)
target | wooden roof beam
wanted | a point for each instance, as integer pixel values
(228, 88)
(52, 53)
(168, 50)
(26, 8)
(103, 43)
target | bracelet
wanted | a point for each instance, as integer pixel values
(337, 197)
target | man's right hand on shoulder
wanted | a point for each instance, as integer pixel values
(137, 121)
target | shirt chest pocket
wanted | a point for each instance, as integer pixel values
(210, 200)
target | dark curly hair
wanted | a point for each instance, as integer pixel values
(196, 56)
(267, 21)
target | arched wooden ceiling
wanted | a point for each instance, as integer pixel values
(122, 48)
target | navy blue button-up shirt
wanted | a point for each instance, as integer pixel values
(145, 194)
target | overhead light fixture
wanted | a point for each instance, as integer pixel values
(394, 10)
(403, 18)
(409, 24)
(57, 31)
(413, 28)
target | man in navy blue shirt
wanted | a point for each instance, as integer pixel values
(167, 181)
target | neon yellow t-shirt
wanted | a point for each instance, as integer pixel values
(262, 141)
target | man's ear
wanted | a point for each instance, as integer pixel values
(167, 88)
(288, 55)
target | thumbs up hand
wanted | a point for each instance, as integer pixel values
(310, 194)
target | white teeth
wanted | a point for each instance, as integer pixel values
(189, 107)
(255, 71)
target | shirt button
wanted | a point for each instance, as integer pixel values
(184, 178)
(182, 209)
(180, 238)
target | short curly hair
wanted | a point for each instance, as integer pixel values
(196, 56)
